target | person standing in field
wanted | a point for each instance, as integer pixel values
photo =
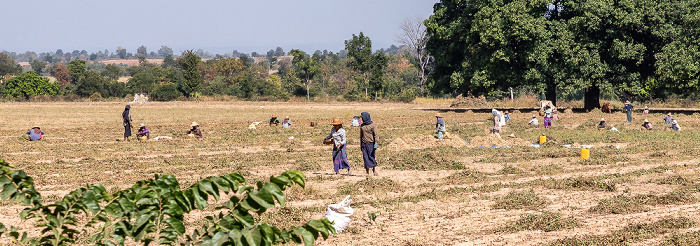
(440, 128)
(548, 115)
(195, 131)
(340, 153)
(35, 134)
(126, 119)
(646, 110)
(369, 143)
(286, 123)
(496, 122)
(628, 108)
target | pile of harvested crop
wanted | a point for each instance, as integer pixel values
(424, 141)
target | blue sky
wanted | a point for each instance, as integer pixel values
(216, 26)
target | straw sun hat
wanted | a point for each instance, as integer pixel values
(336, 121)
(438, 115)
(194, 124)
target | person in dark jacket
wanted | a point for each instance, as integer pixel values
(126, 119)
(369, 143)
(195, 131)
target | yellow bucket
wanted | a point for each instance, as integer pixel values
(585, 154)
(543, 139)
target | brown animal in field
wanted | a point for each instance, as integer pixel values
(607, 108)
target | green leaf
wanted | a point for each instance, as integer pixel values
(200, 198)
(206, 186)
(8, 191)
(251, 236)
(305, 235)
(175, 224)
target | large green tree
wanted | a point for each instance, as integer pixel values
(189, 64)
(307, 65)
(77, 69)
(29, 84)
(625, 48)
(362, 60)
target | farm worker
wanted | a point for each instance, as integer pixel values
(502, 118)
(507, 117)
(440, 128)
(669, 119)
(356, 121)
(534, 121)
(35, 134)
(195, 131)
(274, 120)
(675, 126)
(646, 110)
(286, 123)
(628, 108)
(548, 115)
(126, 119)
(555, 114)
(647, 125)
(369, 143)
(143, 133)
(496, 122)
(602, 125)
(340, 153)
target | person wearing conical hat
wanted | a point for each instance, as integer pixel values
(273, 120)
(143, 133)
(647, 125)
(628, 109)
(533, 121)
(35, 134)
(286, 123)
(195, 131)
(340, 153)
(440, 127)
(602, 124)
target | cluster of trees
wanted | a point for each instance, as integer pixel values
(632, 49)
(356, 73)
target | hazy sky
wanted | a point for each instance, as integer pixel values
(216, 26)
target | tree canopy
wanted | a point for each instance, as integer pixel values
(631, 49)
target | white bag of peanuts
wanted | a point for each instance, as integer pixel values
(340, 214)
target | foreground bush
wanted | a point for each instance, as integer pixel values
(153, 211)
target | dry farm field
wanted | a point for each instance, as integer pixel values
(638, 187)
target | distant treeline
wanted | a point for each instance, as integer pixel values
(355, 73)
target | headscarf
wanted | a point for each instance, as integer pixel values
(495, 113)
(440, 121)
(125, 114)
(366, 120)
